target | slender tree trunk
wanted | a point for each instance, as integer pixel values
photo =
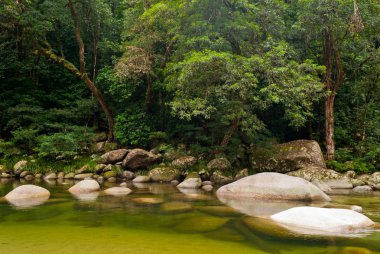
(333, 80)
(329, 127)
(83, 75)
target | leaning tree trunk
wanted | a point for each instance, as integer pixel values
(84, 76)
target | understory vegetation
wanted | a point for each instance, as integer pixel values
(211, 78)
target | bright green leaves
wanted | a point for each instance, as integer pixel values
(211, 83)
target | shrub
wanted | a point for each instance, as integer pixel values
(132, 128)
(25, 139)
(65, 143)
(359, 167)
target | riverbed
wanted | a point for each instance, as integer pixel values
(150, 220)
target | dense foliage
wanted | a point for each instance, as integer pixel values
(216, 75)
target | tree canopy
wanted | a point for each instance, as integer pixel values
(217, 75)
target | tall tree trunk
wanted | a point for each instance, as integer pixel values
(83, 75)
(329, 127)
(334, 70)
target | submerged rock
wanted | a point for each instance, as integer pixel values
(28, 195)
(118, 191)
(323, 220)
(272, 186)
(262, 208)
(288, 157)
(176, 207)
(85, 186)
(148, 201)
(199, 224)
(86, 196)
(221, 211)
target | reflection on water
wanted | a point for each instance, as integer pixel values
(182, 222)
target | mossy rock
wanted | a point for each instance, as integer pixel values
(164, 174)
(199, 224)
(184, 162)
(109, 174)
(221, 164)
(288, 157)
(3, 169)
(192, 175)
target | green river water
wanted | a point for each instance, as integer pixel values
(105, 224)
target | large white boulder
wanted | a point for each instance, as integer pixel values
(272, 186)
(323, 220)
(27, 195)
(85, 186)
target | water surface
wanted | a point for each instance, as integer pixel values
(105, 224)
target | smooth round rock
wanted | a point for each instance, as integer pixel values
(117, 191)
(27, 195)
(141, 179)
(27, 191)
(50, 176)
(364, 188)
(85, 186)
(329, 220)
(190, 183)
(207, 187)
(272, 186)
(123, 184)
